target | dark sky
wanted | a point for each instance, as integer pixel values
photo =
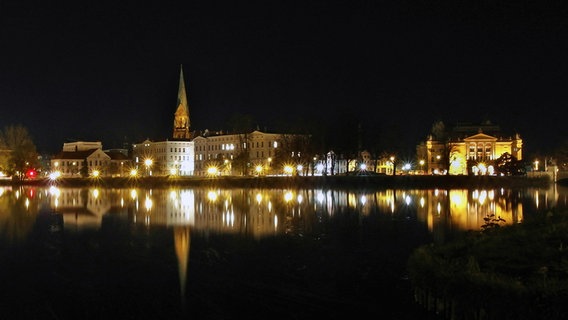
(75, 70)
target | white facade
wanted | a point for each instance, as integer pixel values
(162, 158)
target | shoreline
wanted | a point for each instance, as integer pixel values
(339, 181)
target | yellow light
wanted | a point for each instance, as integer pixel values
(212, 171)
(212, 196)
(148, 203)
(288, 169)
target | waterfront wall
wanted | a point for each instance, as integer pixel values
(347, 182)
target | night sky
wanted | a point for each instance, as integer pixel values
(75, 70)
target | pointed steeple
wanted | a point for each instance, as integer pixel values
(182, 95)
(181, 116)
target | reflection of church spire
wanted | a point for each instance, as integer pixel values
(182, 241)
(181, 117)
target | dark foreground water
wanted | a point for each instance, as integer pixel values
(224, 254)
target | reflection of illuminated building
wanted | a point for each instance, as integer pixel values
(182, 242)
(261, 213)
(462, 209)
(81, 208)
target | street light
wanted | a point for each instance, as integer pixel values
(212, 171)
(148, 164)
(288, 169)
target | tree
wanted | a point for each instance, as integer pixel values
(18, 151)
(508, 165)
(438, 131)
(242, 125)
(447, 153)
(561, 155)
(295, 149)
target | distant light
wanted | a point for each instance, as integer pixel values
(55, 175)
(31, 173)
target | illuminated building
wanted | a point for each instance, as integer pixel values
(223, 149)
(190, 154)
(82, 158)
(170, 157)
(181, 116)
(467, 149)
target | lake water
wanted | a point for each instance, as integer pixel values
(88, 253)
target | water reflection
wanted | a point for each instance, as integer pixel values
(259, 213)
(262, 212)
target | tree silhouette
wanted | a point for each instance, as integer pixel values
(508, 165)
(18, 151)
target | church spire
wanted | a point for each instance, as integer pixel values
(181, 116)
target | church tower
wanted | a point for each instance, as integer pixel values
(181, 117)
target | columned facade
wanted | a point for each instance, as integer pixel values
(468, 150)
